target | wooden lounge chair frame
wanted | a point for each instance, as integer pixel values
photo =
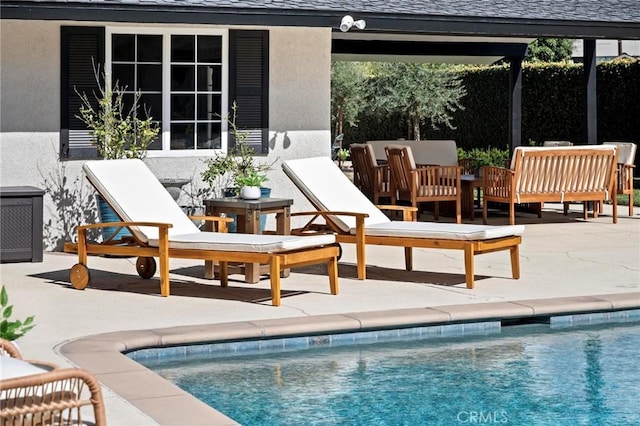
(51, 398)
(361, 239)
(145, 265)
(417, 185)
(372, 179)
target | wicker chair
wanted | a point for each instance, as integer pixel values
(42, 394)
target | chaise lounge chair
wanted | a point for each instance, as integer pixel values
(161, 229)
(354, 219)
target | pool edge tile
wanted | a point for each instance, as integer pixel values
(564, 305)
(399, 317)
(282, 327)
(485, 311)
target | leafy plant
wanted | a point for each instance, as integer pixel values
(490, 156)
(118, 131)
(342, 154)
(227, 169)
(12, 330)
(250, 177)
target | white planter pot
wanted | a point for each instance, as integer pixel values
(250, 192)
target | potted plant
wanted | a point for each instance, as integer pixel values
(249, 183)
(342, 155)
(227, 173)
(117, 130)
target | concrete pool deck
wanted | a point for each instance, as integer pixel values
(567, 265)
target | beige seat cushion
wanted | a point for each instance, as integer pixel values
(433, 151)
(245, 242)
(12, 367)
(626, 151)
(443, 231)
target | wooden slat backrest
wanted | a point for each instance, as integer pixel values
(564, 170)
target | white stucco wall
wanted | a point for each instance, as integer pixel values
(299, 112)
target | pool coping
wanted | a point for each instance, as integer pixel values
(103, 354)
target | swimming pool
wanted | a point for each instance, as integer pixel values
(529, 374)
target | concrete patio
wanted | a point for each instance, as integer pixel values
(567, 265)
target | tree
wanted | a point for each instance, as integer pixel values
(549, 50)
(348, 92)
(423, 92)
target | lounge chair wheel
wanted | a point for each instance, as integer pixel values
(79, 276)
(339, 252)
(146, 267)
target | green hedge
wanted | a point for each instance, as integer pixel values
(553, 107)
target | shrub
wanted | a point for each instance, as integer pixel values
(12, 330)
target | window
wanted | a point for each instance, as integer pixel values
(187, 79)
(189, 102)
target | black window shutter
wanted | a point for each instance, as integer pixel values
(82, 50)
(249, 85)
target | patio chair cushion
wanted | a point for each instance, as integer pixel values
(244, 242)
(442, 231)
(154, 204)
(626, 151)
(333, 192)
(12, 367)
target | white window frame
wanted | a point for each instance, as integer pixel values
(166, 33)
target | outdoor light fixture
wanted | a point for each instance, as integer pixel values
(348, 22)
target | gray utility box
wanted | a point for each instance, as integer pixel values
(20, 224)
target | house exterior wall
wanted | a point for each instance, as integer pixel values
(299, 118)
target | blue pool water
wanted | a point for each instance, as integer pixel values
(524, 375)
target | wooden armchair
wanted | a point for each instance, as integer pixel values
(422, 184)
(626, 166)
(38, 393)
(370, 178)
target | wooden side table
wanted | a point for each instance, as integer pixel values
(468, 186)
(248, 221)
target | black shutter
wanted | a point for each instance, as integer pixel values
(249, 85)
(82, 50)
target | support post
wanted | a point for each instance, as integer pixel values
(515, 102)
(589, 55)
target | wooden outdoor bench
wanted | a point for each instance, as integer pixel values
(553, 174)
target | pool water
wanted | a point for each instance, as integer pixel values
(525, 375)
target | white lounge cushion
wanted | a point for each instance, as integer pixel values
(442, 231)
(245, 242)
(136, 195)
(12, 367)
(329, 189)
